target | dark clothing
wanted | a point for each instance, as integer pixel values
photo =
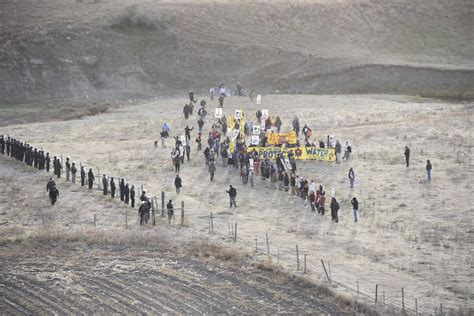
(407, 156)
(334, 210)
(83, 176)
(122, 189)
(355, 204)
(90, 177)
(105, 184)
(132, 197)
(50, 185)
(53, 195)
(112, 188)
(126, 193)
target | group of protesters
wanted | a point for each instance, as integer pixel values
(37, 158)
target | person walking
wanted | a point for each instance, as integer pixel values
(407, 156)
(334, 210)
(170, 208)
(178, 183)
(126, 193)
(53, 195)
(68, 168)
(83, 176)
(351, 177)
(429, 167)
(355, 207)
(312, 201)
(212, 170)
(232, 194)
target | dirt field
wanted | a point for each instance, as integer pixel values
(413, 234)
(136, 49)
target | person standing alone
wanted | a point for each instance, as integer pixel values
(355, 207)
(232, 194)
(428, 169)
(407, 156)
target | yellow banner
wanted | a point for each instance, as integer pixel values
(300, 153)
(289, 138)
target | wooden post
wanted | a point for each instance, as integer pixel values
(325, 271)
(141, 187)
(268, 246)
(162, 203)
(99, 178)
(182, 212)
(383, 297)
(43, 221)
(278, 255)
(62, 166)
(212, 224)
(329, 268)
(256, 245)
(376, 292)
(235, 233)
(94, 220)
(416, 306)
(357, 287)
(297, 259)
(126, 218)
(403, 300)
(304, 271)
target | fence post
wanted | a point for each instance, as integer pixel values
(329, 268)
(304, 271)
(278, 255)
(94, 220)
(441, 308)
(403, 300)
(235, 233)
(212, 224)
(297, 259)
(162, 203)
(416, 306)
(182, 212)
(126, 218)
(376, 290)
(256, 245)
(98, 177)
(357, 287)
(268, 246)
(325, 271)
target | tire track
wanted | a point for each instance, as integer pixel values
(45, 304)
(123, 290)
(63, 298)
(14, 305)
(116, 295)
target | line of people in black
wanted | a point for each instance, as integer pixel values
(40, 160)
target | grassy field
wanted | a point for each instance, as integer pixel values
(413, 234)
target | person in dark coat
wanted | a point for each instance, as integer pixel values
(112, 187)
(132, 196)
(143, 197)
(122, 189)
(90, 178)
(126, 193)
(53, 195)
(428, 169)
(83, 176)
(105, 184)
(232, 195)
(47, 161)
(178, 183)
(50, 184)
(355, 207)
(334, 210)
(407, 156)
(170, 208)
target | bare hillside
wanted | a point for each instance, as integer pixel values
(141, 49)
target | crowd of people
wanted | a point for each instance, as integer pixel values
(37, 158)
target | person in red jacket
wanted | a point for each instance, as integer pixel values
(312, 201)
(322, 200)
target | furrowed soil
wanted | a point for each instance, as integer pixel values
(412, 234)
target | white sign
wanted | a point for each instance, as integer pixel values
(235, 133)
(182, 138)
(238, 114)
(256, 130)
(264, 114)
(259, 99)
(262, 125)
(218, 112)
(255, 140)
(251, 163)
(287, 164)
